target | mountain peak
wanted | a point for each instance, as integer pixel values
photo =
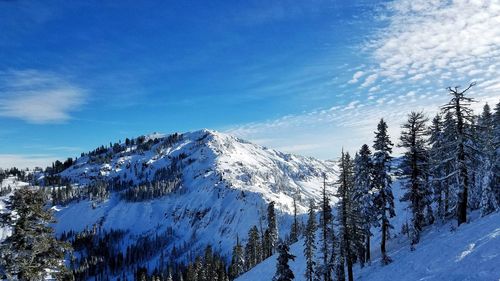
(218, 186)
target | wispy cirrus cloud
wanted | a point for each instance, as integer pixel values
(356, 76)
(424, 47)
(38, 97)
(369, 80)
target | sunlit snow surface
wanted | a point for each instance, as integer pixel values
(469, 252)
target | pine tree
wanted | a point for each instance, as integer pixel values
(208, 270)
(294, 231)
(344, 183)
(237, 266)
(266, 244)
(496, 153)
(474, 164)
(363, 185)
(415, 171)
(326, 219)
(384, 199)
(310, 242)
(450, 181)
(436, 164)
(486, 139)
(351, 224)
(271, 235)
(32, 249)
(337, 258)
(459, 106)
(283, 271)
(253, 250)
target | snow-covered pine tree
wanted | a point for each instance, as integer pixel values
(383, 197)
(237, 266)
(294, 230)
(488, 202)
(324, 270)
(310, 242)
(363, 195)
(450, 180)
(459, 107)
(496, 148)
(414, 172)
(350, 224)
(436, 164)
(283, 271)
(32, 250)
(474, 164)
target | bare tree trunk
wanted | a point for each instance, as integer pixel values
(462, 207)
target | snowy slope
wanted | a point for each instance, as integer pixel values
(226, 186)
(471, 252)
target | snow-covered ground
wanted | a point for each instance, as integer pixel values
(469, 252)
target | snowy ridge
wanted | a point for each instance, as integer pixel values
(226, 186)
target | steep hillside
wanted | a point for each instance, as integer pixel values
(220, 188)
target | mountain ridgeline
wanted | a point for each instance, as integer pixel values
(166, 198)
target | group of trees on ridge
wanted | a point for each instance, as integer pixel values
(448, 168)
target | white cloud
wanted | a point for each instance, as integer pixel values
(356, 76)
(351, 105)
(38, 97)
(374, 88)
(443, 41)
(369, 80)
(327, 131)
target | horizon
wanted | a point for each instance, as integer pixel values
(307, 77)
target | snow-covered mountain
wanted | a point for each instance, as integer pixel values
(225, 186)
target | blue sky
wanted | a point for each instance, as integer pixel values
(307, 77)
